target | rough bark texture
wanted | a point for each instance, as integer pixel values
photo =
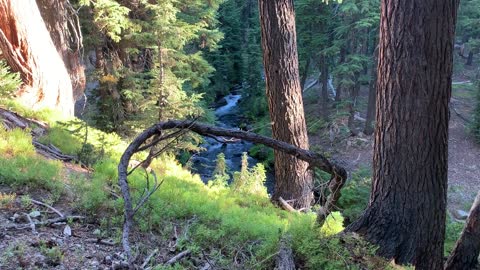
(280, 58)
(465, 254)
(406, 213)
(62, 22)
(28, 48)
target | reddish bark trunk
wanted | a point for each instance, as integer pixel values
(407, 208)
(280, 58)
(62, 23)
(29, 49)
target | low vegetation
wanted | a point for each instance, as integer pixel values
(229, 224)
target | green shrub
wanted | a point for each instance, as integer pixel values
(9, 81)
(264, 154)
(46, 115)
(21, 166)
(63, 139)
(355, 194)
(94, 194)
(54, 256)
(31, 171)
(220, 173)
(250, 180)
(15, 142)
(452, 233)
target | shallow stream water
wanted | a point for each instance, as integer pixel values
(228, 116)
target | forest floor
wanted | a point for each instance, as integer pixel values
(90, 243)
(463, 154)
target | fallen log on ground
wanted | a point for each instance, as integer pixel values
(12, 120)
(144, 141)
(37, 128)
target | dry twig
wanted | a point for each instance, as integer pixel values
(47, 206)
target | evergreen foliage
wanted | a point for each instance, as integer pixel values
(220, 173)
(468, 26)
(9, 82)
(161, 59)
(250, 180)
(149, 59)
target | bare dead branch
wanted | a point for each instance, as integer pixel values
(47, 206)
(461, 116)
(315, 160)
(101, 241)
(145, 198)
(41, 223)
(286, 205)
(147, 260)
(334, 186)
(32, 224)
(178, 257)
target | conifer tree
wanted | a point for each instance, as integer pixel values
(293, 179)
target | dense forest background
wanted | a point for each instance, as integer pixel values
(120, 66)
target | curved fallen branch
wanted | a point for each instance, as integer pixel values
(48, 206)
(315, 160)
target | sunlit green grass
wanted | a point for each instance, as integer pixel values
(218, 220)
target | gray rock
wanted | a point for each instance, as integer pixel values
(67, 231)
(34, 214)
(460, 214)
(107, 260)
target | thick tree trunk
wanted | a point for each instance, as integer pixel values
(406, 212)
(63, 24)
(465, 254)
(280, 58)
(29, 49)
(110, 103)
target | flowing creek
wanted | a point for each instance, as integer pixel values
(228, 116)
